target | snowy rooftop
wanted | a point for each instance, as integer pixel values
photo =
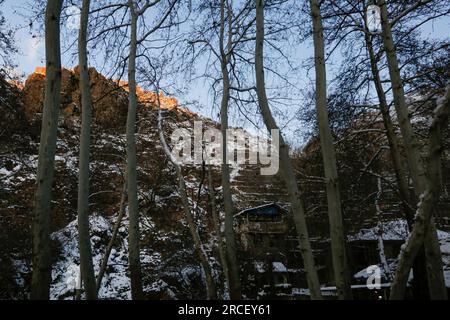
(391, 230)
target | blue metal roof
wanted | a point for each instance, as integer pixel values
(271, 209)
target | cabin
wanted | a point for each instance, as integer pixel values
(262, 227)
(266, 249)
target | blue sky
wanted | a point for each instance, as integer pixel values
(31, 51)
(32, 54)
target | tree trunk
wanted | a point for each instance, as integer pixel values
(84, 239)
(217, 224)
(432, 250)
(338, 243)
(380, 231)
(399, 170)
(211, 292)
(420, 281)
(131, 172)
(234, 277)
(235, 283)
(41, 279)
(427, 202)
(285, 161)
(104, 263)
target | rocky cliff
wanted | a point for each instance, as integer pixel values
(109, 97)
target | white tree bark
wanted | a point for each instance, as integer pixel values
(40, 282)
(399, 169)
(285, 161)
(104, 263)
(427, 202)
(84, 241)
(131, 172)
(233, 267)
(338, 243)
(217, 227)
(380, 231)
(420, 282)
(211, 291)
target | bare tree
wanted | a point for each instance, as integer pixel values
(117, 224)
(131, 172)
(427, 202)
(380, 232)
(211, 291)
(285, 161)
(40, 283)
(432, 249)
(217, 227)
(406, 17)
(338, 243)
(224, 56)
(84, 239)
(400, 171)
(420, 284)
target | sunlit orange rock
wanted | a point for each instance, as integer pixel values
(109, 97)
(40, 70)
(150, 97)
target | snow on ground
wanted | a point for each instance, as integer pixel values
(116, 283)
(397, 230)
(68, 160)
(22, 270)
(23, 171)
(278, 267)
(392, 230)
(159, 286)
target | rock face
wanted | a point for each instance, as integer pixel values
(109, 99)
(33, 95)
(151, 97)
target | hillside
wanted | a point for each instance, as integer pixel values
(170, 267)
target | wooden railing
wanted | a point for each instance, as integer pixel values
(264, 227)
